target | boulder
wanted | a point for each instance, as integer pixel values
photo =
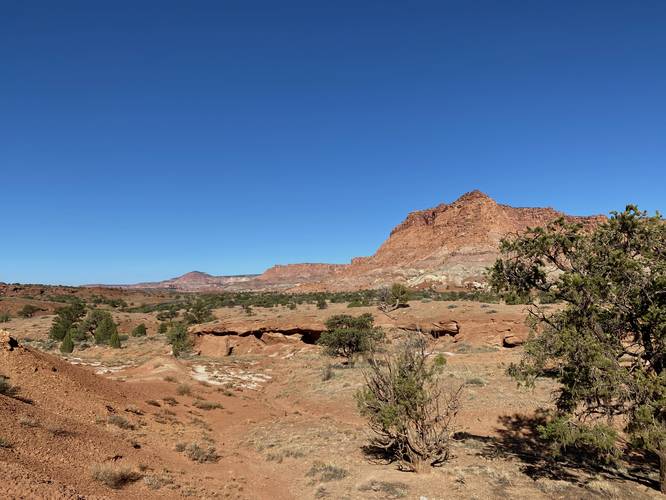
(436, 328)
(512, 340)
(7, 342)
(280, 338)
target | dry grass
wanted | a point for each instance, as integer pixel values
(386, 488)
(121, 422)
(28, 422)
(207, 405)
(6, 388)
(114, 476)
(59, 431)
(156, 482)
(326, 472)
(327, 373)
(134, 409)
(183, 390)
(198, 453)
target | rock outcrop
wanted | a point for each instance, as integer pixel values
(7, 343)
(449, 245)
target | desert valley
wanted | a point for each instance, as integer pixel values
(221, 387)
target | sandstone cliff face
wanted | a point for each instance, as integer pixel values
(300, 272)
(194, 281)
(448, 245)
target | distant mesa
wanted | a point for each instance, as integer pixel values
(447, 246)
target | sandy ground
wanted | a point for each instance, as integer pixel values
(278, 429)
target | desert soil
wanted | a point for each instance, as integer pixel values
(279, 428)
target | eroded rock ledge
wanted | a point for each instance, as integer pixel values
(307, 331)
(310, 330)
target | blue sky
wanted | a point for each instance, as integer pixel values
(140, 140)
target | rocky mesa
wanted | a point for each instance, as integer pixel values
(446, 246)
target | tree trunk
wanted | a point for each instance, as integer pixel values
(662, 466)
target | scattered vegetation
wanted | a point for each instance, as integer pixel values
(348, 335)
(198, 306)
(409, 411)
(69, 327)
(113, 302)
(5, 317)
(607, 346)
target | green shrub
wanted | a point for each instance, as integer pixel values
(606, 344)
(28, 311)
(179, 339)
(67, 345)
(408, 410)
(105, 330)
(347, 335)
(162, 328)
(199, 312)
(139, 330)
(440, 360)
(392, 298)
(114, 341)
(168, 314)
(4, 317)
(514, 298)
(66, 317)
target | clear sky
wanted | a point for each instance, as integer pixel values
(141, 140)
